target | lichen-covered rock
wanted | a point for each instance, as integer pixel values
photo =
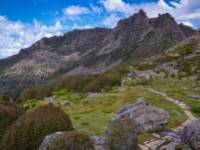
(72, 140)
(133, 120)
(121, 136)
(191, 135)
(144, 118)
(28, 131)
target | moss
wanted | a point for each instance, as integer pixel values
(28, 131)
(144, 137)
(72, 140)
(179, 147)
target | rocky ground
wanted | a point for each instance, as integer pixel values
(168, 140)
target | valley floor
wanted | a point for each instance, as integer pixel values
(93, 111)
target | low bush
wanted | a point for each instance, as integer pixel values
(29, 130)
(196, 109)
(8, 114)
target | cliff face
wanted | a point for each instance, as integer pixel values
(92, 50)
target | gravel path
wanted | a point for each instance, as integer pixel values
(158, 142)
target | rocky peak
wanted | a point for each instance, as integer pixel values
(141, 14)
(137, 18)
(165, 19)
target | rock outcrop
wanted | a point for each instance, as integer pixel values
(67, 141)
(191, 135)
(131, 121)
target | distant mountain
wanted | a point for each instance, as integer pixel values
(92, 51)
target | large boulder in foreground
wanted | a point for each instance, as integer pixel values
(8, 114)
(191, 135)
(29, 130)
(131, 121)
(71, 140)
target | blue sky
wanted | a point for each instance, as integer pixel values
(22, 22)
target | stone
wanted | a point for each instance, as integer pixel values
(194, 96)
(145, 118)
(191, 135)
(71, 140)
(138, 118)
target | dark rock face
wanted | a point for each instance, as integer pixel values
(67, 141)
(131, 121)
(92, 51)
(191, 135)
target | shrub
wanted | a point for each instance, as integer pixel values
(72, 140)
(196, 109)
(28, 131)
(8, 114)
(36, 92)
(121, 136)
(187, 48)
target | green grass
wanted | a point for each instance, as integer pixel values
(94, 114)
(179, 89)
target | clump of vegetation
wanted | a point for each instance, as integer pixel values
(196, 109)
(187, 48)
(86, 83)
(8, 114)
(29, 130)
(121, 136)
(185, 68)
(37, 92)
(71, 140)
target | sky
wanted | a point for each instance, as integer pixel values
(23, 22)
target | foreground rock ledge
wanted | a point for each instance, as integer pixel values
(131, 121)
(191, 135)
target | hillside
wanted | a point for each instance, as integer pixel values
(91, 51)
(164, 80)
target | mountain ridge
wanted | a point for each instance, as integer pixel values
(92, 51)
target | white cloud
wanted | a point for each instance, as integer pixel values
(17, 35)
(76, 26)
(111, 20)
(187, 23)
(76, 11)
(183, 11)
(96, 9)
(117, 6)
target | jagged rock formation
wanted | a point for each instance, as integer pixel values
(91, 51)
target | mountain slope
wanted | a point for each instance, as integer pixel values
(91, 51)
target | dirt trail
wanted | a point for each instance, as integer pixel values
(158, 142)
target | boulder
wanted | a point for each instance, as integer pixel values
(131, 121)
(145, 118)
(191, 135)
(72, 140)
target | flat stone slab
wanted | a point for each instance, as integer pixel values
(155, 144)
